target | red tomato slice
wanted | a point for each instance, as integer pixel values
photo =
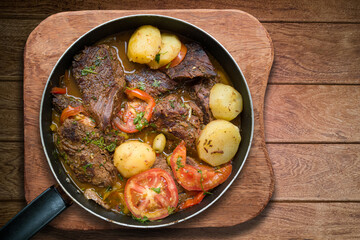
(196, 178)
(70, 111)
(151, 194)
(192, 201)
(178, 59)
(57, 90)
(126, 118)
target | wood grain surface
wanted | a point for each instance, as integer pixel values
(253, 51)
(307, 37)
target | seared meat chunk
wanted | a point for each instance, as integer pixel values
(181, 119)
(195, 65)
(86, 152)
(151, 81)
(90, 193)
(201, 92)
(100, 78)
(61, 101)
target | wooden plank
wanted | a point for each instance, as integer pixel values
(9, 209)
(279, 220)
(315, 53)
(278, 10)
(312, 113)
(316, 172)
(11, 111)
(304, 53)
(13, 35)
(11, 171)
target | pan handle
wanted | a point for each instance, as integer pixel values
(36, 214)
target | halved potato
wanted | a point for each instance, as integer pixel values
(144, 44)
(218, 142)
(133, 157)
(225, 102)
(170, 48)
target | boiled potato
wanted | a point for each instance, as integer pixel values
(225, 102)
(218, 142)
(133, 157)
(170, 48)
(144, 44)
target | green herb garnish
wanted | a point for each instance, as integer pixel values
(142, 220)
(170, 210)
(111, 147)
(89, 165)
(108, 189)
(88, 70)
(178, 163)
(156, 83)
(157, 58)
(157, 190)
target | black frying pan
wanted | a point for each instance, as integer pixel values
(55, 199)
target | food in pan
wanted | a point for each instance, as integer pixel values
(145, 123)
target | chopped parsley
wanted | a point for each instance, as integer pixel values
(95, 98)
(142, 220)
(201, 181)
(140, 122)
(157, 58)
(120, 177)
(172, 103)
(89, 165)
(170, 209)
(141, 86)
(88, 70)
(168, 65)
(178, 163)
(111, 147)
(157, 190)
(156, 83)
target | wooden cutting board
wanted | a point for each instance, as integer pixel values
(241, 34)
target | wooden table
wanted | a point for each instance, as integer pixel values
(312, 112)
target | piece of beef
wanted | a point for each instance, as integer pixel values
(100, 78)
(181, 119)
(201, 92)
(91, 194)
(195, 65)
(85, 151)
(61, 101)
(153, 82)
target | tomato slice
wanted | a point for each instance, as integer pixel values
(151, 194)
(196, 178)
(178, 59)
(130, 120)
(71, 111)
(192, 201)
(57, 90)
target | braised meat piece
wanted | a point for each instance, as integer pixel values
(151, 81)
(61, 101)
(182, 119)
(100, 78)
(195, 65)
(86, 151)
(201, 92)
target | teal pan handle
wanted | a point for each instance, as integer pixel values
(35, 215)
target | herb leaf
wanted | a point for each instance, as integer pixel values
(178, 163)
(157, 58)
(157, 190)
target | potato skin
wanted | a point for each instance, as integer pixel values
(133, 157)
(170, 48)
(144, 44)
(225, 102)
(218, 142)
